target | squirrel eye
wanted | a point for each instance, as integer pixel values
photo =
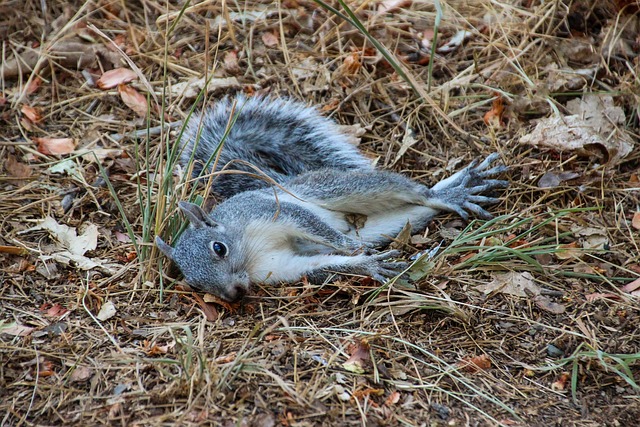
(219, 248)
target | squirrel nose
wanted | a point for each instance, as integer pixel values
(236, 293)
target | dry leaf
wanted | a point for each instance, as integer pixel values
(115, 77)
(55, 146)
(569, 251)
(387, 6)
(133, 99)
(561, 383)
(15, 329)
(635, 221)
(632, 287)
(107, 311)
(67, 237)
(512, 283)
(393, 398)
(455, 41)
(31, 113)
(55, 310)
(191, 89)
(80, 374)
(553, 179)
(270, 39)
(15, 168)
(475, 364)
(495, 117)
(208, 309)
(596, 296)
(408, 141)
(593, 129)
(230, 62)
(360, 358)
(546, 304)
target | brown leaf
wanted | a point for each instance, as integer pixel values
(230, 62)
(631, 287)
(475, 364)
(635, 222)
(53, 310)
(495, 116)
(387, 6)
(13, 250)
(393, 398)
(115, 77)
(55, 146)
(133, 99)
(561, 383)
(546, 304)
(31, 113)
(360, 358)
(270, 39)
(208, 309)
(15, 168)
(80, 374)
(596, 296)
(15, 329)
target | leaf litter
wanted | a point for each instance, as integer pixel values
(569, 65)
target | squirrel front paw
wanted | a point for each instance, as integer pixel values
(461, 192)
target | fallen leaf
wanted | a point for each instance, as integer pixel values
(546, 304)
(13, 250)
(455, 42)
(15, 168)
(495, 117)
(561, 383)
(475, 364)
(596, 296)
(360, 358)
(553, 179)
(31, 113)
(270, 39)
(15, 329)
(632, 286)
(594, 128)
(208, 309)
(393, 398)
(387, 6)
(80, 374)
(512, 283)
(635, 221)
(408, 140)
(67, 237)
(107, 311)
(133, 99)
(230, 62)
(591, 237)
(115, 77)
(55, 146)
(191, 89)
(569, 251)
(53, 310)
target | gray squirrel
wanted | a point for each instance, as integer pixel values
(327, 212)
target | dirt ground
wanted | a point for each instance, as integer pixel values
(530, 319)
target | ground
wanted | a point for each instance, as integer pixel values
(529, 319)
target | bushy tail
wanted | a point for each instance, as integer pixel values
(282, 138)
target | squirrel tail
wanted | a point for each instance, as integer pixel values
(281, 138)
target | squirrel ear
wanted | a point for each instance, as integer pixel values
(164, 248)
(196, 215)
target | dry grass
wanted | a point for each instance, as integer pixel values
(279, 358)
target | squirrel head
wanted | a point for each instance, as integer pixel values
(205, 254)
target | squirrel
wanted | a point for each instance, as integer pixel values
(327, 210)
